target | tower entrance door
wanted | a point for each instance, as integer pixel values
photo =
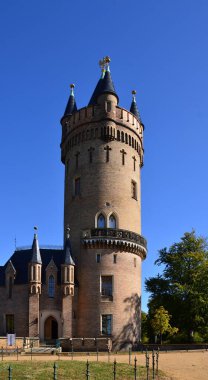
(50, 329)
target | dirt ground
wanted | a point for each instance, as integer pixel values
(177, 365)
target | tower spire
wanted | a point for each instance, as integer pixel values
(105, 84)
(67, 249)
(36, 258)
(134, 108)
(71, 105)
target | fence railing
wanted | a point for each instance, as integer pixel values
(151, 367)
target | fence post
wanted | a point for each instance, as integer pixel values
(114, 369)
(147, 364)
(135, 368)
(31, 352)
(153, 365)
(129, 355)
(157, 361)
(10, 372)
(2, 353)
(55, 366)
(17, 353)
(108, 355)
(72, 351)
(97, 353)
(87, 371)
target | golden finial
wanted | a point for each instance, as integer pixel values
(107, 59)
(72, 85)
(133, 92)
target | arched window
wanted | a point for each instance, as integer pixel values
(51, 286)
(118, 135)
(122, 136)
(101, 221)
(112, 221)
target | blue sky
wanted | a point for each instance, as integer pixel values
(157, 47)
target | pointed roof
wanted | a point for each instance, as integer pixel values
(105, 84)
(36, 258)
(67, 250)
(71, 105)
(134, 108)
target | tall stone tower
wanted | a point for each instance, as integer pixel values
(102, 150)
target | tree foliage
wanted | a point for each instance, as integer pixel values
(161, 323)
(182, 288)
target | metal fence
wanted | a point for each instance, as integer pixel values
(151, 367)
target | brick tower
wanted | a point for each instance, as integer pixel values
(102, 150)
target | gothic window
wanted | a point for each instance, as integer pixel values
(101, 221)
(51, 286)
(126, 138)
(9, 323)
(118, 135)
(134, 189)
(130, 140)
(106, 324)
(112, 221)
(122, 136)
(106, 286)
(77, 187)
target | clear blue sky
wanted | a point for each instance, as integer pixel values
(157, 47)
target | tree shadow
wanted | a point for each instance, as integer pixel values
(130, 335)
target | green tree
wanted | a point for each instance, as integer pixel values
(182, 288)
(161, 323)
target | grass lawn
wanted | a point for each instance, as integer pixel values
(74, 370)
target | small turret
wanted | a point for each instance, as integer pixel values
(134, 108)
(35, 266)
(68, 267)
(71, 105)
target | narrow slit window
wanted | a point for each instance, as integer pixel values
(134, 190)
(51, 286)
(77, 187)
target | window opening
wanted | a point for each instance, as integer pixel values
(106, 327)
(112, 222)
(106, 286)
(77, 186)
(114, 259)
(98, 257)
(51, 286)
(134, 190)
(10, 323)
(101, 221)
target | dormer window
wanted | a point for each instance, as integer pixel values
(51, 286)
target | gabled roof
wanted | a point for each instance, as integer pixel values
(104, 86)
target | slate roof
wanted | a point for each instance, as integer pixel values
(104, 85)
(71, 106)
(68, 253)
(134, 109)
(36, 258)
(21, 258)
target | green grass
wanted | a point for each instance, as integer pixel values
(75, 370)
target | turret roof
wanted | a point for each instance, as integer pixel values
(71, 105)
(68, 251)
(105, 85)
(134, 108)
(36, 258)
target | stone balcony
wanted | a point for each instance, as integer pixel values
(115, 238)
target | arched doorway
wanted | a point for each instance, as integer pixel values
(50, 329)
